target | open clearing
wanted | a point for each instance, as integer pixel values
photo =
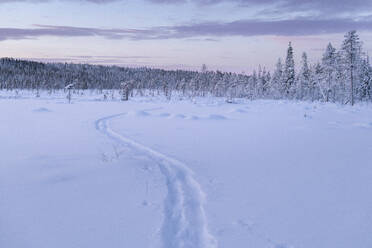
(191, 174)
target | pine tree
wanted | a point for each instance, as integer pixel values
(329, 62)
(260, 82)
(289, 71)
(315, 80)
(365, 86)
(351, 48)
(125, 90)
(204, 68)
(266, 78)
(253, 85)
(277, 80)
(304, 78)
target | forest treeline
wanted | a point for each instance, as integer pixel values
(342, 75)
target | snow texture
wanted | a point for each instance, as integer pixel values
(185, 224)
(263, 174)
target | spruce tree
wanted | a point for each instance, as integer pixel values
(365, 75)
(289, 71)
(351, 48)
(329, 62)
(277, 80)
(304, 78)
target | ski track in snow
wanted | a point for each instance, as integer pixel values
(185, 223)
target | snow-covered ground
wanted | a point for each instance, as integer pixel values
(191, 174)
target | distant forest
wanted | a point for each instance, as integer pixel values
(343, 75)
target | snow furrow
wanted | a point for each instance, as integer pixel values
(185, 223)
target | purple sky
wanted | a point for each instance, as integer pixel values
(231, 35)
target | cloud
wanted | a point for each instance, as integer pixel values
(209, 30)
(68, 31)
(294, 27)
(320, 6)
(45, 1)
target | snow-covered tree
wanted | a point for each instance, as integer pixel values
(303, 81)
(204, 68)
(277, 80)
(125, 90)
(329, 63)
(341, 76)
(363, 91)
(289, 71)
(69, 88)
(351, 49)
(316, 76)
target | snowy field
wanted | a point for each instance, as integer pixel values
(183, 174)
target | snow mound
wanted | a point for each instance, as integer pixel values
(240, 111)
(363, 125)
(58, 179)
(178, 116)
(42, 110)
(193, 117)
(139, 113)
(282, 246)
(164, 115)
(217, 117)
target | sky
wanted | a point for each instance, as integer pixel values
(227, 35)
